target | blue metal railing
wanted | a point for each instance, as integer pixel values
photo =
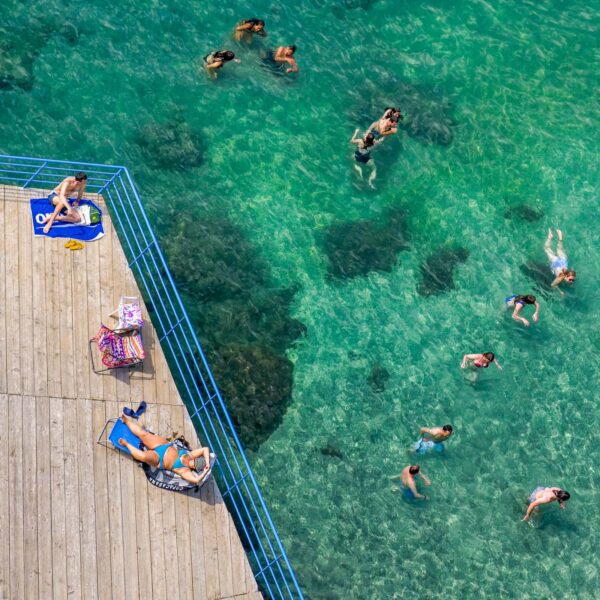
(184, 354)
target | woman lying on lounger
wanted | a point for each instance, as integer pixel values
(163, 454)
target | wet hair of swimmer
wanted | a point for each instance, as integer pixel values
(447, 428)
(414, 469)
(563, 495)
(81, 176)
(529, 299)
(490, 356)
(292, 48)
(369, 139)
(224, 55)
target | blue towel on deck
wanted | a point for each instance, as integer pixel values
(42, 207)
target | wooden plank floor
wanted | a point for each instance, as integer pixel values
(78, 520)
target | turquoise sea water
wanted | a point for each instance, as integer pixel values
(500, 142)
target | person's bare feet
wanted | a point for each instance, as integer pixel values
(550, 236)
(124, 418)
(559, 232)
(46, 228)
(122, 442)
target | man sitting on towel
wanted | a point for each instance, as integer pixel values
(60, 199)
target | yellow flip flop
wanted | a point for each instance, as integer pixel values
(69, 244)
(76, 246)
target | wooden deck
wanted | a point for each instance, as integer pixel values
(78, 520)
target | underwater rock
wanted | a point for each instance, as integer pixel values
(437, 271)
(16, 63)
(69, 33)
(256, 383)
(524, 213)
(378, 378)
(332, 451)
(356, 248)
(541, 275)
(171, 145)
(244, 324)
(210, 259)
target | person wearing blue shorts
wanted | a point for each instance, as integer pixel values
(544, 495)
(432, 438)
(409, 484)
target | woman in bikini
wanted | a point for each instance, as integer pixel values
(558, 262)
(362, 154)
(163, 454)
(480, 361)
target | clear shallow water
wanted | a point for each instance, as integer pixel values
(516, 86)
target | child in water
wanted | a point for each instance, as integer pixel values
(558, 262)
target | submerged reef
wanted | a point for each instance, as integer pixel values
(437, 271)
(378, 378)
(244, 323)
(356, 248)
(523, 212)
(170, 145)
(21, 43)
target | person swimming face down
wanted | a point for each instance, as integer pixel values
(368, 140)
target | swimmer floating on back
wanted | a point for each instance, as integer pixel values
(362, 154)
(407, 477)
(480, 361)
(432, 438)
(246, 29)
(216, 60)
(519, 302)
(545, 495)
(558, 262)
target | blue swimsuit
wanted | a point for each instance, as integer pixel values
(161, 450)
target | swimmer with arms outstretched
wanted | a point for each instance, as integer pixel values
(480, 361)
(60, 199)
(545, 495)
(558, 262)
(407, 477)
(518, 302)
(245, 29)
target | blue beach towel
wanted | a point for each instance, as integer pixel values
(42, 207)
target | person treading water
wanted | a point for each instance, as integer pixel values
(409, 484)
(246, 29)
(545, 495)
(558, 262)
(362, 155)
(216, 60)
(480, 361)
(387, 124)
(433, 438)
(518, 302)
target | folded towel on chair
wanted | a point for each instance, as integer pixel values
(88, 232)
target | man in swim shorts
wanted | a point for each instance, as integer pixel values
(432, 438)
(409, 484)
(545, 495)
(60, 198)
